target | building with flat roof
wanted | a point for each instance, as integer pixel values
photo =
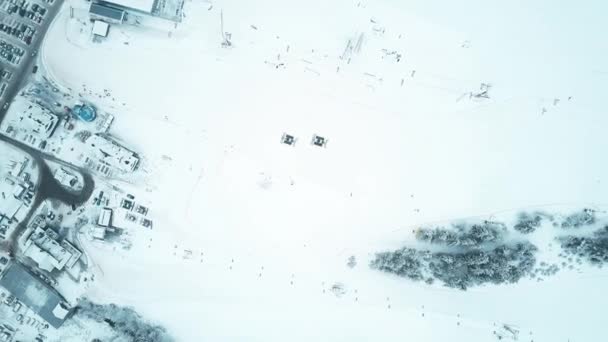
(39, 120)
(146, 6)
(105, 218)
(100, 28)
(18, 166)
(44, 248)
(111, 153)
(11, 197)
(37, 295)
(107, 13)
(11, 209)
(166, 9)
(66, 178)
(98, 232)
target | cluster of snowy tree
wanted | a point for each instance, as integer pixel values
(465, 255)
(586, 217)
(503, 264)
(463, 235)
(462, 269)
(546, 270)
(528, 222)
(593, 248)
(490, 231)
(406, 262)
(127, 324)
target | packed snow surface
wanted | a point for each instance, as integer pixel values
(251, 235)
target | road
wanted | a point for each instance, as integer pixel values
(47, 187)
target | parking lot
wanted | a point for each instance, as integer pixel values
(10, 53)
(20, 19)
(5, 77)
(34, 12)
(23, 24)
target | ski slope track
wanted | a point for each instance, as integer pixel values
(251, 235)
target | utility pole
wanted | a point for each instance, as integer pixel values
(225, 37)
(222, 26)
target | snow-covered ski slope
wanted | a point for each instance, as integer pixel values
(407, 144)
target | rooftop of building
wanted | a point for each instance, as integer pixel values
(113, 153)
(37, 295)
(105, 11)
(44, 247)
(140, 5)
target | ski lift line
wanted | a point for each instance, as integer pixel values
(449, 78)
(445, 89)
(222, 24)
(531, 101)
(440, 76)
(485, 104)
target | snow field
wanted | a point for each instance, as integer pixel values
(410, 154)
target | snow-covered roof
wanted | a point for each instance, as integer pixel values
(65, 178)
(140, 5)
(10, 208)
(98, 232)
(61, 311)
(105, 218)
(100, 28)
(39, 120)
(44, 260)
(113, 154)
(48, 253)
(18, 190)
(6, 189)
